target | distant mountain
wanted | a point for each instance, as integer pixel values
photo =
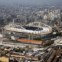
(31, 2)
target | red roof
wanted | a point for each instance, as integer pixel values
(29, 41)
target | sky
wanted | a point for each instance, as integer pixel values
(31, 2)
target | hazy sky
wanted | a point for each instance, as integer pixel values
(33, 2)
